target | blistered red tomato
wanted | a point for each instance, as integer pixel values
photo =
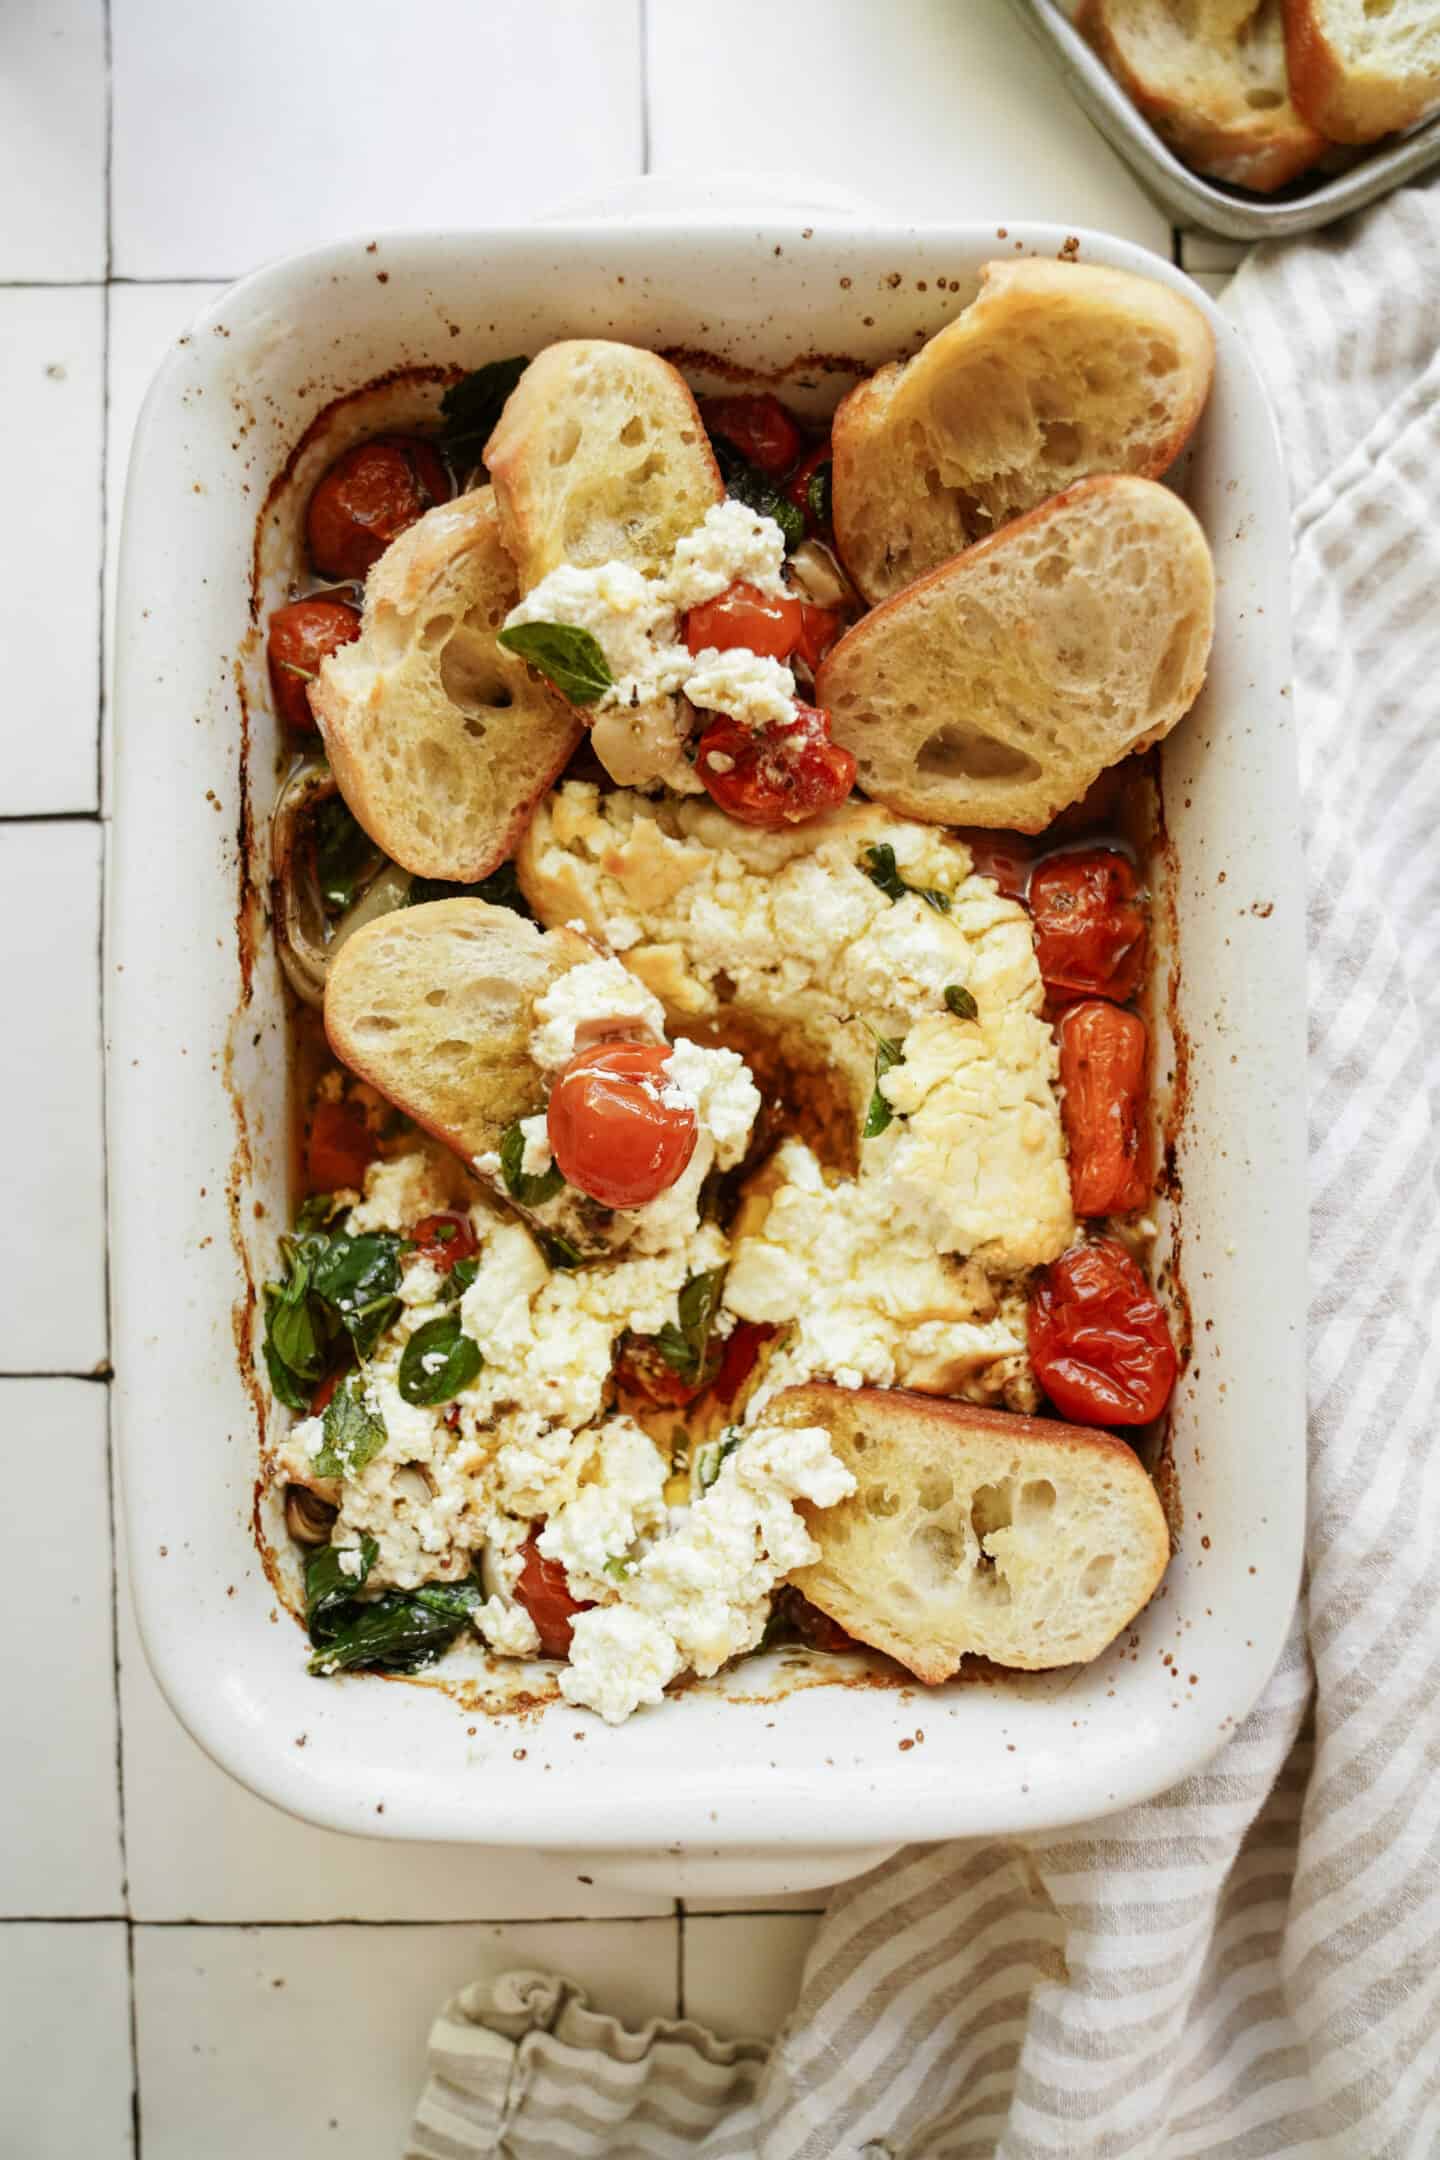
(778, 775)
(339, 1147)
(1099, 1341)
(543, 1588)
(641, 1368)
(799, 490)
(739, 1358)
(301, 635)
(1102, 1076)
(611, 1131)
(1089, 925)
(759, 427)
(445, 1239)
(744, 616)
(819, 628)
(371, 494)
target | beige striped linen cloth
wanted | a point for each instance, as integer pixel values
(1251, 1963)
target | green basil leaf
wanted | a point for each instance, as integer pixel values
(358, 1277)
(878, 864)
(354, 1435)
(471, 407)
(285, 1385)
(529, 1188)
(572, 659)
(400, 1631)
(960, 1002)
(561, 1252)
(328, 1588)
(438, 1361)
(346, 858)
(685, 1349)
(881, 1112)
(707, 1467)
(298, 1332)
(458, 1281)
(817, 495)
(318, 1212)
(745, 483)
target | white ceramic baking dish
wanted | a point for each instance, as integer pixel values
(760, 1779)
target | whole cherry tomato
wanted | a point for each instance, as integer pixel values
(369, 496)
(775, 776)
(444, 1239)
(744, 616)
(642, 1370)
(301, 635)
(1004, 857)
(797, 488)
(739, 1358)
(543, 1588)
(759, 427)
(339, 1147)
(1102, 1076)
(611, 1131)
(1089, 925)
(1099, 1342)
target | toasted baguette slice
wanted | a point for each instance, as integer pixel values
(1054, 372)
(434, 1006)
(976, 1532)
(1209, 76)
(994, 691)
(441, 742)
(599, 456)
(1358, 71)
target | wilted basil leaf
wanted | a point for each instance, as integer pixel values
(346, 858)
(458, 1281)
(707, 1465)
(686, 1348)
(471, 407)
(530, 1188)
(354, 1435)
(888, 1055)
(960, 1002)
(879, 866)
(298, 1329)
(438, 1361)
(327, 1585)
(359, 1276)
(561, 1252)
(571, 659)
(400, 1631)
(817, 495)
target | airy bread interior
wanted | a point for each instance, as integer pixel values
(1359, 71)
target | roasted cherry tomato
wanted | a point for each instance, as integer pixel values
(1098, 1338)
(819, 628)
(611, 1131)
(443, 1239)
(1089, 925)
(300, 637)
(797, 488)
(339, 1147)
(369, 496)
(759, 427)
(543, 1589)
(743, 615)
(1102, 1076)
(777, 775)
(642, 1370)
(1002, 856)
(739, 1357)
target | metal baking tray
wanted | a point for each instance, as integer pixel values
(1301, 207)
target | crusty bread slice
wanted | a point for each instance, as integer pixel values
(976, 1532)
(1054, 372)
(599, 456)
(442, 742)
(1209, 76)
(434, 1006)
(1361, 71)
(994, 691)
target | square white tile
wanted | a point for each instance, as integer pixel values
(52, 139)
(241, 134)
(741, 1976)
(51, 414)
(60, 1797)
(936, 110)
(296, 2042)
(65, 2073)
(52, 1318)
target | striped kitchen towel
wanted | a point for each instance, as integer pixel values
(1251, 1963)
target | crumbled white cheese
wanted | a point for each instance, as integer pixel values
(535, 1158)
(619, 1659)
(620, 1499)
(421, 1282)
(732, 545)
(749, 687)
(399, 1192)
(586, 1003)
(716, 1083)
(507, 1628)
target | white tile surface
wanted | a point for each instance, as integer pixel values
(929, 107)
(742, 1976)
(60, 1800)
(1211, 251)
(52, 1317)
(242, 133)
(51, 407)
(52, 139)
(65, 2076)
(1213, 282)
(300, 2042)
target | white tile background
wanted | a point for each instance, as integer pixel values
(211, 1963)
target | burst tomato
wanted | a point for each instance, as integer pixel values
(744, 616)
(798, 489)
(738, 1359)
(611, 1131)
(1099, 1342)
(445, 1239)
(301, 635)
(1002, 856)
(759, 427)
(778, 775)
(543, 1588)
(339, 1147)
(641, 1368)
(1089, 925)
(1102, 1074)
(371, 494)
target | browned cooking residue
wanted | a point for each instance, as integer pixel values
(1163, 851)
(694, 360)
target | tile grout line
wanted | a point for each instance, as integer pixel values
(644, 85)
(679, 1957)
(341, 1920)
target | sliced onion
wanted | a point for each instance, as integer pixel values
(306, 935)
(816, 570)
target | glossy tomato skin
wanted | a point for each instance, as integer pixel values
(797, 488)
(1089, 925)
(1004, 857)
(445, 1239)
(610, 1132)
(642, 1370)
(739, 1358)
(1099, 1341)
(543, 1588)
(301, 635)
(819, 628)
(744, 616)
(759, 427)
(775, 776)
(372, 493)
(1102, 1077)
(339, 1148)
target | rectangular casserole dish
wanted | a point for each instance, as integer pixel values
(758, 1779)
